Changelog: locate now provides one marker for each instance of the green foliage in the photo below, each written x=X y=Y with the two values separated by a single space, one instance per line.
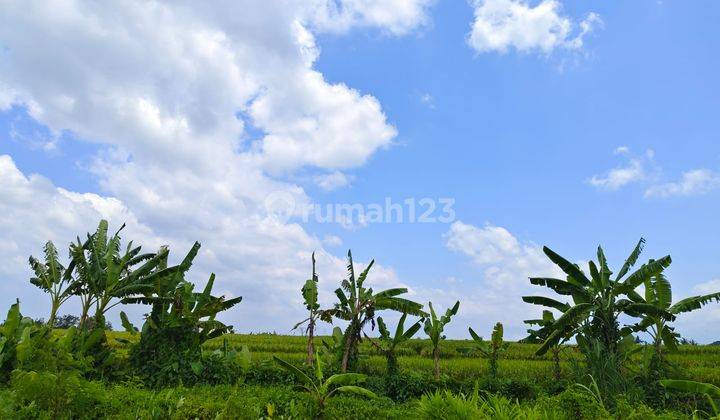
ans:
x=597 y=304
x=578 y=404
x=322 y=389
x=492 y=350
x=357 y=305
x=446 y=405
x=387 y=343
x=310 y=297
x=710 y=391
x=54 y=279
x=180 y=321
x=105 y=274
x=14 y=329
x=434 y=328
x=658 y=295
x=63 y=394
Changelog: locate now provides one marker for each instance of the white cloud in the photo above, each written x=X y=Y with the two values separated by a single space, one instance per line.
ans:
x=159 y=86
x=506 y=264
x=643 y=170
x=505 y=259
x=503 y=24
x=332 y=181
x=694 y=182
x=620 y=176
x=637 y=169
x=708 y=287
x=332 y=240
x=397 y=17
x=694 y=324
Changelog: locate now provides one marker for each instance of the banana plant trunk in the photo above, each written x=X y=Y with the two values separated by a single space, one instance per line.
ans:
x=310 y=344
x=556 y=362
x=350 y=341
x=84 y=313
x=53 y=314
x=346 y=353
x=658 y=349
x=436 y=361
x=392 y=366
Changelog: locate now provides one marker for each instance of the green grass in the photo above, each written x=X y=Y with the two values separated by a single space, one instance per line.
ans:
x=519 y=362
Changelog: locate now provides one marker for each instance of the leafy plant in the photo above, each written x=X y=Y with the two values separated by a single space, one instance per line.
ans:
x=387 y=344
x=12 y=332
x=310 y=296
x=710 y=391
x=434 y=327
x=53 y=278
x=357 y=305
x=540 y=334
x=597 y=303
x=180 y=321
x=658 y=293
x=492 y=350
x=322 y=389
x=105 y=274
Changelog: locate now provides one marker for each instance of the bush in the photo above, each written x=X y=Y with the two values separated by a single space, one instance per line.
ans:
x=577 y=404
x=253 y=402
x=403 y=386
x=446 y=405
x=515 y=389
x=345 y=407
x=167 y=356
x=63 y=395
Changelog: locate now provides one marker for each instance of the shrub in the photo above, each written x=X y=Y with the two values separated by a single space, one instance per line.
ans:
x=356 y=408
x=577 y=404
x=446 y=405
x=61 y=394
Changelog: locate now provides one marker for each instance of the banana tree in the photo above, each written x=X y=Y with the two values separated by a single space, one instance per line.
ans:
x=710 y=391
x=540 y=334
x=180 y=321
x=108 y=275
x=357 y=305
x=434 y=327
x=658 y=293
x=322 y=389
x=492 y=350
x=310 y=297
x=175 y=302
x=12 y=331
x=52 y=277
x=387 y=343
x=598 y=300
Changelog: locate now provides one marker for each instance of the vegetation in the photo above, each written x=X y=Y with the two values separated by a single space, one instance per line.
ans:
x=184 y=363
x=358 y=304
x=387 y=344
x=434 y=328
x=492 y=350
x=598 y=302
x=323 y=389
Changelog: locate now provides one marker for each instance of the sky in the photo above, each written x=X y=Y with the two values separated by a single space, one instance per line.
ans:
x=246 y=125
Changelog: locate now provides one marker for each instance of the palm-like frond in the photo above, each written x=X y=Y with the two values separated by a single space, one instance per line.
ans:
x=632 y=259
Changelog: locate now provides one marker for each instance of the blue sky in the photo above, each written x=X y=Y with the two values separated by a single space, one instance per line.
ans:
x=562 y=144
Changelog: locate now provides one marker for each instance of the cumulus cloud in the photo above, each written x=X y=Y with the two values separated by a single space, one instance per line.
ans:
x=505 y=263
x=643 y=170
x=397 y=17
x=167 y=91
x=635 y=170
x=693 y=182
x=332 y=181
x=503 y=24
